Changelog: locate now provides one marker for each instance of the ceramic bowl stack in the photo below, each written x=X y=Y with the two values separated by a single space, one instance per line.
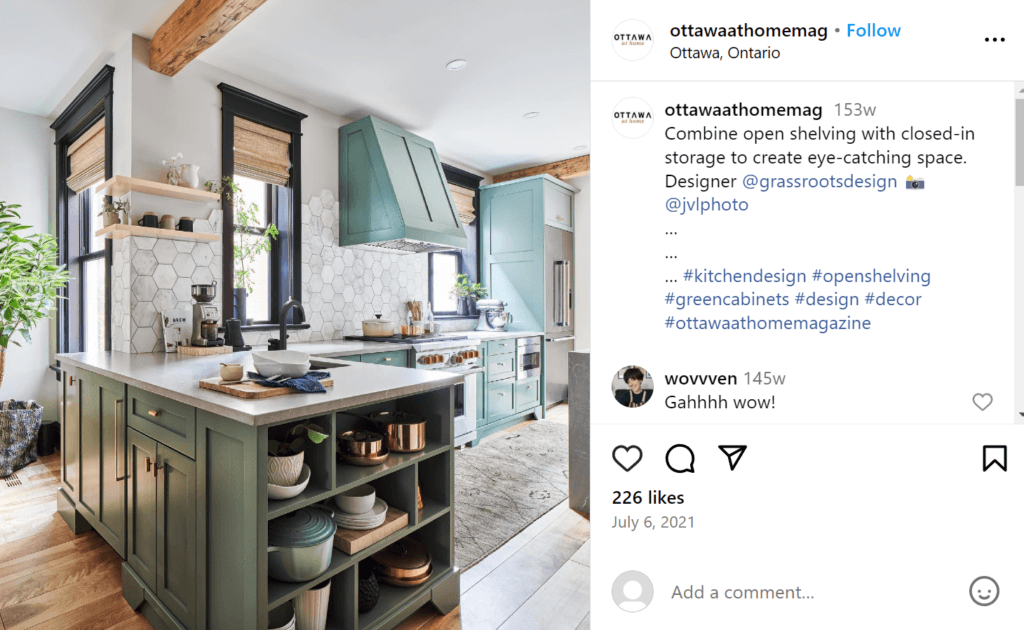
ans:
x=360 y=509
x=270 y=363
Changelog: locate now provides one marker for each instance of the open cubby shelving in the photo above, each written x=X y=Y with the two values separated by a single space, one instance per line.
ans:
x=396 y=482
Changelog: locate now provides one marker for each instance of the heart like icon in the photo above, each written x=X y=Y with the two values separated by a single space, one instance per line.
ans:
x=982 y=401
x=627 y=456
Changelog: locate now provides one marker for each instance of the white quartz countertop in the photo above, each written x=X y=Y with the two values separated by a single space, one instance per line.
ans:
x=177 y=377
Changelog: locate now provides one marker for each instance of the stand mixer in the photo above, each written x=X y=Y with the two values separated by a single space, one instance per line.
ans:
x=205 y=315
x=492 y=315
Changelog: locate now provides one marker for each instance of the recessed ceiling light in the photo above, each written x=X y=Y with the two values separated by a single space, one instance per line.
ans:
x=456 y=64
x=581 y=147
x=531 y=115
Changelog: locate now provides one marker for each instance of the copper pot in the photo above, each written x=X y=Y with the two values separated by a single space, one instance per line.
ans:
x=405 y=432
x=406 y=559
x=362 y=443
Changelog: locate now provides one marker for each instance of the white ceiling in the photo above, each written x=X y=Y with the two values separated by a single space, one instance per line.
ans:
x=46 y=46
x=387 y=58
x=384 y=57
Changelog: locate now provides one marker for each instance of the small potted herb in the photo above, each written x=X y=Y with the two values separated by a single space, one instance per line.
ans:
x=287 y=457
x=111 y=212
x=465 y=291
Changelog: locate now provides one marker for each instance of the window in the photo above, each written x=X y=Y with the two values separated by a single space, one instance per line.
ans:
x=443 y=268
x=83 y=135
x=261 y=152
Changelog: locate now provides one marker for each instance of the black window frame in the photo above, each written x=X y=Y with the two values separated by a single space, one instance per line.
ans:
x=469 y=258
x=74 y=227
x=286 y=250
x=458 y=253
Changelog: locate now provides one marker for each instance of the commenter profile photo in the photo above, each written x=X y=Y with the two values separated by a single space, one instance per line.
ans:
x=633 y=386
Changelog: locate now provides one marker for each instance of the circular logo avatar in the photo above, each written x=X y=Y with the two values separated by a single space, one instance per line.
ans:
x=632 y=591
x=632 y=40
x=632 y=117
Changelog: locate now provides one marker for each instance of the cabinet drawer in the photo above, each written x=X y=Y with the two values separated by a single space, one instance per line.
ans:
x=398 y=358
x=501 y=366
x=557 y=206
x=501 y=346
x=166 y=421
x=499 y=400
x=527 y=394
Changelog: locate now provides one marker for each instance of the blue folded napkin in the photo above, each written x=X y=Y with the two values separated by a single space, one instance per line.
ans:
x=310 y=383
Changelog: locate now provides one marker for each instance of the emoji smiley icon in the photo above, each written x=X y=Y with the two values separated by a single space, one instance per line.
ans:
x=984 y=591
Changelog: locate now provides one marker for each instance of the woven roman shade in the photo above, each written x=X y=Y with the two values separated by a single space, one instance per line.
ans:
x=464 y=203
x=261 y=152
x=87 y=156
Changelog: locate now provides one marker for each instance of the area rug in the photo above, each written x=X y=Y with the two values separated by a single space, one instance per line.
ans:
x=504 y=484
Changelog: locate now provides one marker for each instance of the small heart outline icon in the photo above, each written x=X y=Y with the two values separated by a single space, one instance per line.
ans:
x=979 y=399
x=628 y=450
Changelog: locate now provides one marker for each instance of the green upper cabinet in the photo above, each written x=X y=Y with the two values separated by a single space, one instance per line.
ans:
x=393 y=187
x=512 y=219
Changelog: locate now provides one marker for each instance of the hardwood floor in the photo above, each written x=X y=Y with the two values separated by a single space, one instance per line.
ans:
x=52 y=580
x=49 y=578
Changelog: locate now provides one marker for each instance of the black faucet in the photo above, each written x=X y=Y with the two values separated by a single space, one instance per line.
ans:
x=282 y=318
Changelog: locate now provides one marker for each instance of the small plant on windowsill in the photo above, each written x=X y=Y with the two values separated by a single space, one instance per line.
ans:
x=464 y=291
x=29 y=279
x=251 y=240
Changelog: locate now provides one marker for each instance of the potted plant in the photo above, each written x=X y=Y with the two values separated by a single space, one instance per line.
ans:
x=113 y=211
x=251 y=240
x=465 y=291
x=287 y=457
x=29 y=279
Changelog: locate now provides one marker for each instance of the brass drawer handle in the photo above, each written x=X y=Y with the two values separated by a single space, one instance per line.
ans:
x=153 y=412
x=71 y=380
x=149 y=465
x=387 y=359
x=156 y=470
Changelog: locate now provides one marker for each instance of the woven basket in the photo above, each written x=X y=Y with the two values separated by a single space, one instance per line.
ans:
x=19 y=431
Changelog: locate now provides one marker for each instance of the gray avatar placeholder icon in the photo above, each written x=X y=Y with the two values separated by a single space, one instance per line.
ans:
x=625 y=592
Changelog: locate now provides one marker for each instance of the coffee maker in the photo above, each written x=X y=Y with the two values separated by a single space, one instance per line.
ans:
x=492 y=315
x=205 y=315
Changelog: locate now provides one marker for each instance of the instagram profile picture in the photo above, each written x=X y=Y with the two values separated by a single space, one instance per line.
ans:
x=633 y=386
x=632 y=40
x=632 y=591
x=632 y=117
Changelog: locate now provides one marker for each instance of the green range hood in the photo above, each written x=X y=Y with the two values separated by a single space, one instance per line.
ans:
x=394 y=196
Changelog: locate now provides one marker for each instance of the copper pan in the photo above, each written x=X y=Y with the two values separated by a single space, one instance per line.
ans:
x=404 y=432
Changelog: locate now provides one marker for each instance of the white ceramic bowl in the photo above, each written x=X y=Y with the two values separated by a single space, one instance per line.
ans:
x=286 y=363
x=358 y=500
x=278 y=493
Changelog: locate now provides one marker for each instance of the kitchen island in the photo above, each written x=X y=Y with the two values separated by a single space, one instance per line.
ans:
x=174 y=478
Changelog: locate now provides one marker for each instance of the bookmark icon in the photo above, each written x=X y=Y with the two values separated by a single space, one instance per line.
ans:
x=734 y=453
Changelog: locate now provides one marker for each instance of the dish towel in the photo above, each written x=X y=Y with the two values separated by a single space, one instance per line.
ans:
x=310 y=383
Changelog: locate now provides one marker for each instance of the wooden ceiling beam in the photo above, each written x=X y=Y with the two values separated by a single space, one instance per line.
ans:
x=192 y=28
x=565 y=169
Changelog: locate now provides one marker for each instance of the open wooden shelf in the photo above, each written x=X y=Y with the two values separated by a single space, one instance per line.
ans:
x=119 y=185
x=119 y=231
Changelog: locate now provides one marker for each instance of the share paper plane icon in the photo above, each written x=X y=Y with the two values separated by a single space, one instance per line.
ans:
x=734 y=453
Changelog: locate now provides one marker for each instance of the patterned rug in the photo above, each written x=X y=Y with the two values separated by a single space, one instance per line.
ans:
x=504 y=484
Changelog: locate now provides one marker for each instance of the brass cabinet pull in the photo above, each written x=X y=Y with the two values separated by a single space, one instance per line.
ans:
x=387 y=359
x=156 y=469
x=149 y=465
x=154 y=412
x=71 y=380
x=116 y=449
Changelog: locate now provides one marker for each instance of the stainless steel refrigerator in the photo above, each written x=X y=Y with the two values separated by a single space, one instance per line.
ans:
x=559 y=339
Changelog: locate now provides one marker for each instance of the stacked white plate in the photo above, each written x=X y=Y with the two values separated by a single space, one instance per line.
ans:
x=360 y=522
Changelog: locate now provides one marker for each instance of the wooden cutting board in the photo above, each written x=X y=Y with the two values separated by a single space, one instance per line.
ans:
x=253 y=390
x=351 y=541
x=202 y=351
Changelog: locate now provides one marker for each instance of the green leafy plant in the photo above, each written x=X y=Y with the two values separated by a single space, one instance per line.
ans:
x=251 y=239
x=118 y=207
x=29 y=278
x=464 y=288
x=294 y=442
